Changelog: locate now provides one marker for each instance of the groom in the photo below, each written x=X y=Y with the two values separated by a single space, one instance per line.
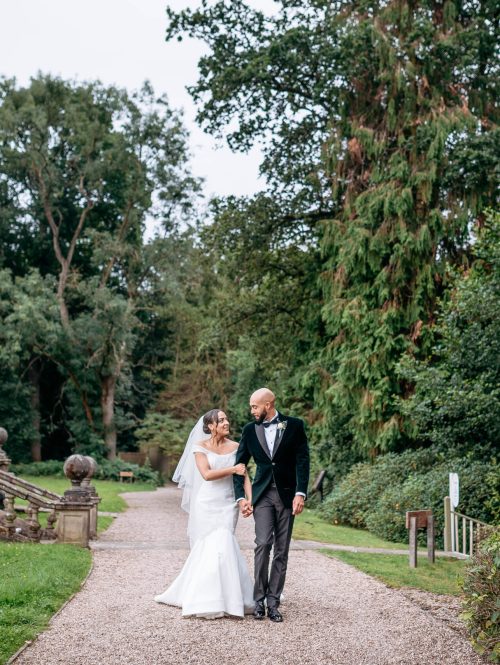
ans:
x=278 y=445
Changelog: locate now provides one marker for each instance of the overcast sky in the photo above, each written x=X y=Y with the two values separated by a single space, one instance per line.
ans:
x=121 y=42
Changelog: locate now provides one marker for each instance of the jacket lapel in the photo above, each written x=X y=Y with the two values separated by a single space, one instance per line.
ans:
x=259 y=431
x=280 y=434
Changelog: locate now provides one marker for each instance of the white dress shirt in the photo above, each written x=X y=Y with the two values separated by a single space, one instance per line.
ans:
x=270 y=434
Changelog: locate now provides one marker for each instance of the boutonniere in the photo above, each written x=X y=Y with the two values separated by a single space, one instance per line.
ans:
x=282 y=425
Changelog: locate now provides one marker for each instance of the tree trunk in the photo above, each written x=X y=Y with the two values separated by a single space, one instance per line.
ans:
x=34 y=372
x=108 y=388
x=63 y=308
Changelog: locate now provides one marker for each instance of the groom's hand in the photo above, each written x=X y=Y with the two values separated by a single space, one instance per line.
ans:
x=298 y=504
x=245 y=507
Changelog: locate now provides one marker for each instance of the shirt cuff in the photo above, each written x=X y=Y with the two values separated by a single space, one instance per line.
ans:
x=242 y=498
x=300 y=494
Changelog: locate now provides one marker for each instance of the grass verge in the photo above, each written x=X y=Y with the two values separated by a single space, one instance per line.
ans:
x=310 y=526
x=35 y=580
x=393 y=569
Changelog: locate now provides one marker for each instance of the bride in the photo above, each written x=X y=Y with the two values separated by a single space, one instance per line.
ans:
x=214 y=580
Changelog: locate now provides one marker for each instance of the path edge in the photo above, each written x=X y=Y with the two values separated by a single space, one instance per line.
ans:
x=28 y=643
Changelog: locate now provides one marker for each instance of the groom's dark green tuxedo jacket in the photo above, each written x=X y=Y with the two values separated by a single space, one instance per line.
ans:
x=288 y=468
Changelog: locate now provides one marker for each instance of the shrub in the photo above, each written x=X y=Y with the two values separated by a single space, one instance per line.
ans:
x=427 y=491
x=493 y=502
x=106 y=471
x=47 y=468
x=349 y=503
x=110 y=470
x=376 y=496
x=354 y=498
x=481 y=587
x=418 y=492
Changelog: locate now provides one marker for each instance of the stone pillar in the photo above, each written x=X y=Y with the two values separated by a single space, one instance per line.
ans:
x=10 y=515
x=93 y=495
x=49 y=533
x=4 y=460
x=73 y=525
x=34 y=527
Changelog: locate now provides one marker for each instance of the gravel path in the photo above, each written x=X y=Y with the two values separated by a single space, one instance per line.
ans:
x=334 y=615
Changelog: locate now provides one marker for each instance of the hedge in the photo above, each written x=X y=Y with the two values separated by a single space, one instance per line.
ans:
x=107 y=470
x=376 y=496
x=481 y=587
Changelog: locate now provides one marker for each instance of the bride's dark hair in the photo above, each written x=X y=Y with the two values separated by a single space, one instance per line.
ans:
x=210 y=417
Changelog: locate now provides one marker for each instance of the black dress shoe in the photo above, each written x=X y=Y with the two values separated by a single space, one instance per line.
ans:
x=259 y=611
x=274 y=614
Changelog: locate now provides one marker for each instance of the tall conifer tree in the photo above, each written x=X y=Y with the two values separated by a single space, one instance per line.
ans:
x=401 y=96
x=412 y=159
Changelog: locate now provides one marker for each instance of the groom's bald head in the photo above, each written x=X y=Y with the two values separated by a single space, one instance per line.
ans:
x=263 y=395
x=262 y=404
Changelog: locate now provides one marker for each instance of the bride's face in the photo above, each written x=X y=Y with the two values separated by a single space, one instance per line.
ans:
x=221 y=427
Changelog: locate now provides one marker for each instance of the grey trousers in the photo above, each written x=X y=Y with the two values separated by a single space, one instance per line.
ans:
x=273 y=528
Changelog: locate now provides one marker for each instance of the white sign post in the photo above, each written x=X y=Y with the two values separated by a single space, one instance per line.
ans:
x=454 y=489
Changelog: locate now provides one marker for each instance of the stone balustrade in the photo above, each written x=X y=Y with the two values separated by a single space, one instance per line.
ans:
x=72 y=517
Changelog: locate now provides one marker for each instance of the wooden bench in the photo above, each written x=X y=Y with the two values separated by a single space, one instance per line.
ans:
x=127 y=475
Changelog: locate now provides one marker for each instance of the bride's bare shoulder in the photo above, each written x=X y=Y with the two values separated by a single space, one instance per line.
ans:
x=201 y=444
x=234 y=444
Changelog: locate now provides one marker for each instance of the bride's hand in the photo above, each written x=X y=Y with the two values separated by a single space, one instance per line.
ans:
x=240 y=469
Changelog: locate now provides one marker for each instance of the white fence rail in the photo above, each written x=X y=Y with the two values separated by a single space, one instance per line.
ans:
x=461 y=533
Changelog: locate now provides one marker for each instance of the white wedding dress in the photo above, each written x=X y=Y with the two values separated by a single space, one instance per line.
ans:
x=214 y=581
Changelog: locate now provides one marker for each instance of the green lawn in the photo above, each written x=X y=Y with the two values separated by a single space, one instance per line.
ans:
x=393 y=569
x=310 y=526
x=103 y=521
x=108 y=490
x=35 y=580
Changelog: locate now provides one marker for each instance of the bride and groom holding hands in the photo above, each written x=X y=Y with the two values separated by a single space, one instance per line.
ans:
x=212 y=472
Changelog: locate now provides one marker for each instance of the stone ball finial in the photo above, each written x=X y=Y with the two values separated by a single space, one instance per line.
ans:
x=76 y=467
x=93 y=466
x=3 y=436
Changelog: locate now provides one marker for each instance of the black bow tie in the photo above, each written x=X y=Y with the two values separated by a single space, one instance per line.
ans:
x=270 y=422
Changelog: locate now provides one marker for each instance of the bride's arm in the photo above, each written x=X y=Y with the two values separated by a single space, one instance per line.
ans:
x=216 y=474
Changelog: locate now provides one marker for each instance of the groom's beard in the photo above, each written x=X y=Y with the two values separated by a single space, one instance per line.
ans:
x=261 y=418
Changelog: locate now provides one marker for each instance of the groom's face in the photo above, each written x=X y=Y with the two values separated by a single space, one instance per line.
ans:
x=259 y=410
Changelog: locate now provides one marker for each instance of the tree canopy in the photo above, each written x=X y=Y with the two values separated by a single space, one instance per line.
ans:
x=83 y=169
x=379 y=129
